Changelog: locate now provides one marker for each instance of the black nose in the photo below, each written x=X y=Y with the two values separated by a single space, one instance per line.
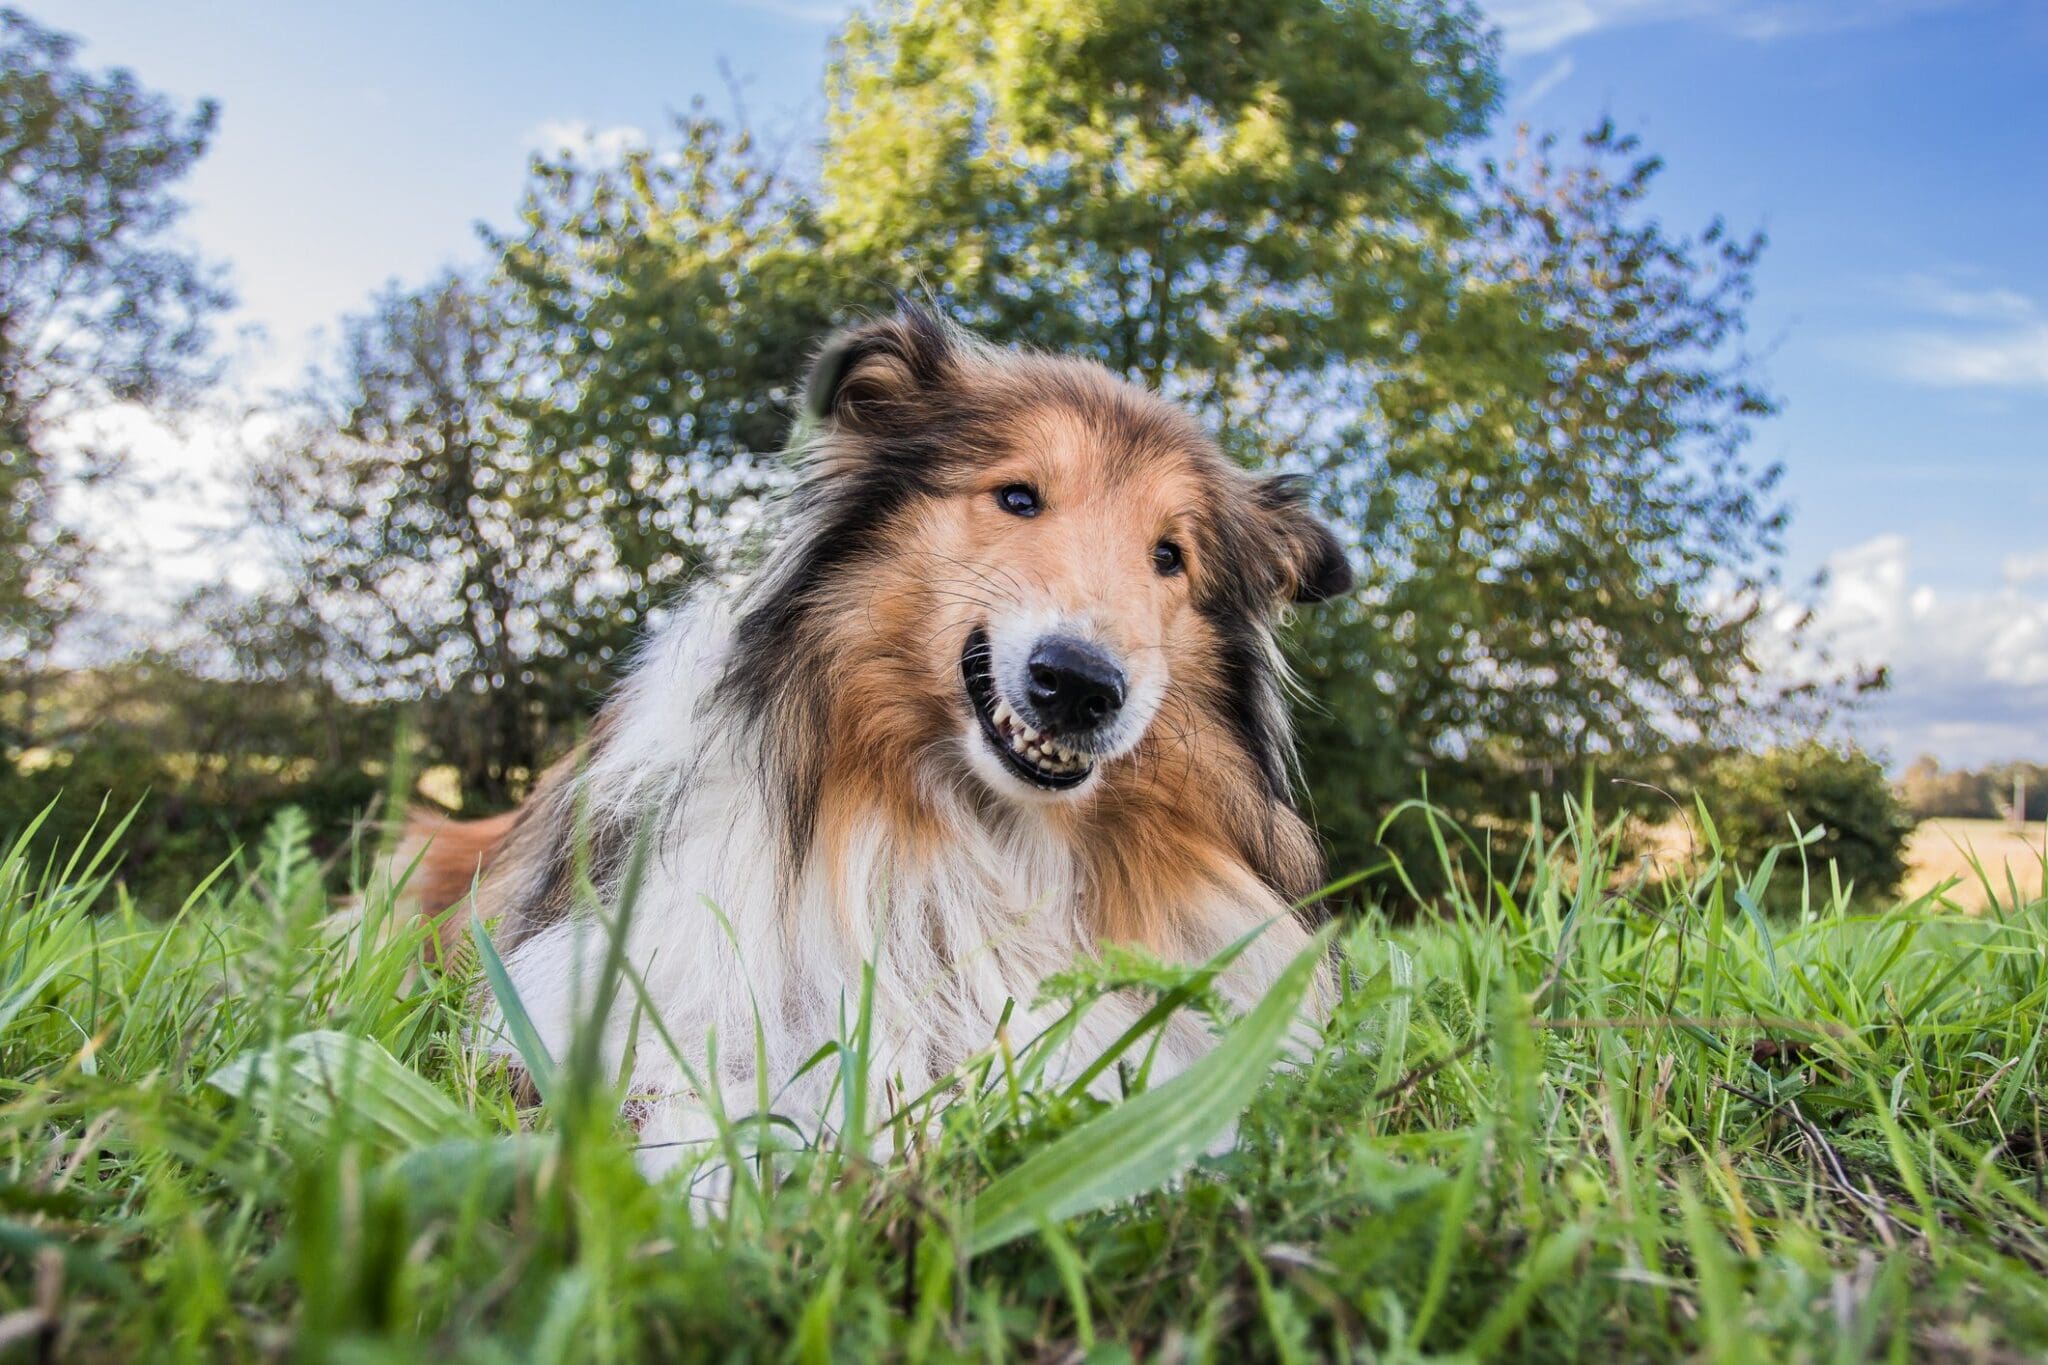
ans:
x=1074 y=685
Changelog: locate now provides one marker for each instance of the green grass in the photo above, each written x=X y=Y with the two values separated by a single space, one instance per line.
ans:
x=1566 y=1118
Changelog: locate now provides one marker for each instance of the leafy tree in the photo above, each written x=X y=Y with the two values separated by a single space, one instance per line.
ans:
x=675 y=299
x=1246 y=204
x=433 y=542
x=198 y=740
x=1974 y=794
x=1564 y=550
x=99 y=301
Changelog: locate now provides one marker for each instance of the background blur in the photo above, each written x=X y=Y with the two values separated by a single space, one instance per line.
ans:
x=369 y=378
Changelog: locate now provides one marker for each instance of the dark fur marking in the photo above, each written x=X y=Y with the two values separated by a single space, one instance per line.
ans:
x=1320 y=570
x=541 y=847
x=883 y=387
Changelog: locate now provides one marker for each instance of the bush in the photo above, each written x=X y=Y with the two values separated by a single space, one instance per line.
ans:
x=203 y=764
x=1756 y=799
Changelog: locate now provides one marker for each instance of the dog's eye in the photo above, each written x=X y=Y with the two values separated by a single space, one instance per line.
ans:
x=1166 y=559
x=1018 y=499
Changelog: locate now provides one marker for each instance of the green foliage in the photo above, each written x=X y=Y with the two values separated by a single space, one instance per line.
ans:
x=1760 y=801
x=1244 y=204
x=676 y=299
x=1564 y=1123
x=498 y=480
x=1561 y=568
x=99 y=301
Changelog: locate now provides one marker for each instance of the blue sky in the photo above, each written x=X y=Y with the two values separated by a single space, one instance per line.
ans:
x=1896 y=151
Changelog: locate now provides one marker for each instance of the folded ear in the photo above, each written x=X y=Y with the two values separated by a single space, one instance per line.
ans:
x=1312 y=563
x=869 y=376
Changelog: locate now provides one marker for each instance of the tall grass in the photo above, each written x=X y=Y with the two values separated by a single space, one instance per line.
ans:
x=1573 y=1114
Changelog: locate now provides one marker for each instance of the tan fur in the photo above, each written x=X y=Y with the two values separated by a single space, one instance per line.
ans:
x=446 y=858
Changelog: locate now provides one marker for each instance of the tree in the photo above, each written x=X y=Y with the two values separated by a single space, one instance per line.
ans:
x=99 y=301
x=1244 y=204
x=1565 y=552
x=196 y=741
x=431 y=539
x=1981 y=794
x=501 y=479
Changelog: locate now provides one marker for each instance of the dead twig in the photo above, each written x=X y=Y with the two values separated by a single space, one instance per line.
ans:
x=1873 y=1204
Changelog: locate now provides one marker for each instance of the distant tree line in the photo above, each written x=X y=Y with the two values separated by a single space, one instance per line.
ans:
x=1526 y=401
x=1932 y=792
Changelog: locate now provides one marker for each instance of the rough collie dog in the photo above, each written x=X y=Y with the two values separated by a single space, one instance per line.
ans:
x=1000 y=689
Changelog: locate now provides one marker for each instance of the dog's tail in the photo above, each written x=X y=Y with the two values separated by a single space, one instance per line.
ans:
x=442 y=860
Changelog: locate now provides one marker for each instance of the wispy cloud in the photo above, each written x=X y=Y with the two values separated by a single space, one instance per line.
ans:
x=1554 y=75
x=2016 y=358
x=1967 y=337
x=1968 y=669
x=1540 y=25
x=1949 y=299
x=1529 y=26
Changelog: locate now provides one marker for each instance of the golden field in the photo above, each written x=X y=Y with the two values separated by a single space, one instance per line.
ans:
x=1943 y=850
x=1939 y=852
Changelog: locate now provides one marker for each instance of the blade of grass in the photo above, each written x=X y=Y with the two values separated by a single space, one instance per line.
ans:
x=1149 y=1139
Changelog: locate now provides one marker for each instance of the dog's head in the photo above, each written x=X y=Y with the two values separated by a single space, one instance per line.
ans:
x=1021 y=572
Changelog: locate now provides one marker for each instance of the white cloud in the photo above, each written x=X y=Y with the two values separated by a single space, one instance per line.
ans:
x=1968 y=669
x=1539 y=25
x=172 y=523
x=581 y=139
x=803 y=11
x=2022 y=568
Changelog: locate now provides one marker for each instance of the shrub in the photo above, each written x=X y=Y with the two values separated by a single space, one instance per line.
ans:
x=1756 y=799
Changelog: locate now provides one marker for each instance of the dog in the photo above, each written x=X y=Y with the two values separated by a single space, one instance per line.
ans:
x=999 y=688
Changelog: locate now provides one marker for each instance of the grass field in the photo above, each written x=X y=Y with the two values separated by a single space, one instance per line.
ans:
x=1572 y=1118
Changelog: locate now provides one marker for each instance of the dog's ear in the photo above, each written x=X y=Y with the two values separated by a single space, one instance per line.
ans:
x=1312 y=563
x=872 y=375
